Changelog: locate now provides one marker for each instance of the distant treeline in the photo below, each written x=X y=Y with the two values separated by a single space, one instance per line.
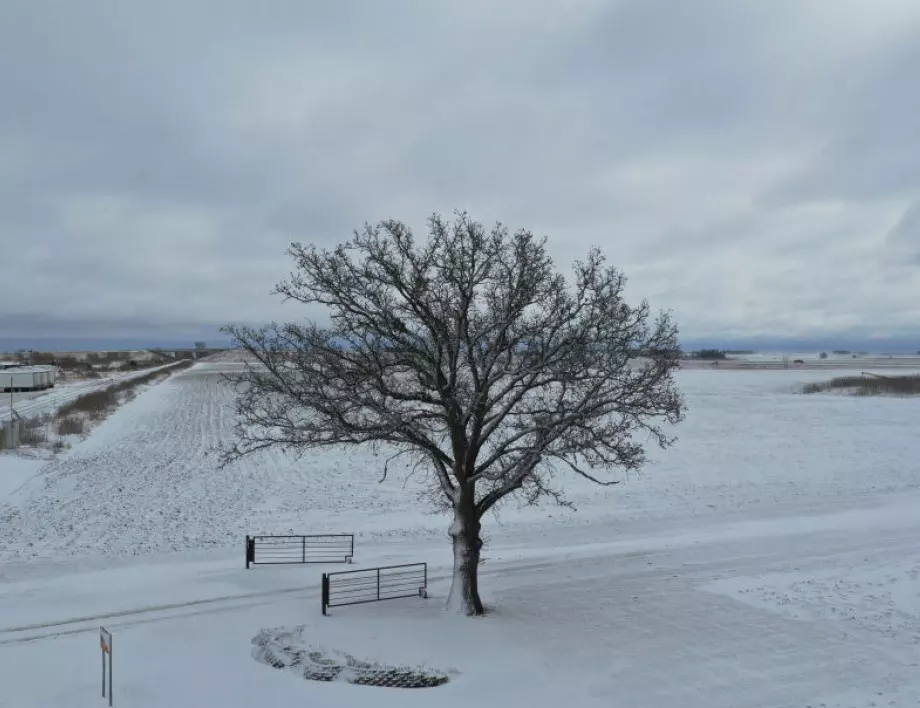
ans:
x=713 y=354
x=112 y=361
x=868 y=385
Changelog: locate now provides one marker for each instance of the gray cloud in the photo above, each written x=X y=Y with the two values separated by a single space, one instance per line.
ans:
x=750 y=165
x=903 y=240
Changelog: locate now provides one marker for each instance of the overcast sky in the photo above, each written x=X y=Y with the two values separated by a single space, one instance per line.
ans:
x=752 y=165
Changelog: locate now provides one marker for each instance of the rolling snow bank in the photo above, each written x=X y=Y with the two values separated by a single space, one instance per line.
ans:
x=147 y=479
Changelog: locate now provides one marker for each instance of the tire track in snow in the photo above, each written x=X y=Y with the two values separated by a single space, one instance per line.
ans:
x=655 y=560
x=26 y=633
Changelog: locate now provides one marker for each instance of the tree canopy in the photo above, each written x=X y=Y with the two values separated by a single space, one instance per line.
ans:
x=469 y=354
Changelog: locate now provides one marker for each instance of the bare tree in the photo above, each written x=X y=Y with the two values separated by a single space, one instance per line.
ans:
x=470 y=355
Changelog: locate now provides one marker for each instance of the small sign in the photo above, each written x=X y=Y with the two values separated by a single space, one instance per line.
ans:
x=105 y=643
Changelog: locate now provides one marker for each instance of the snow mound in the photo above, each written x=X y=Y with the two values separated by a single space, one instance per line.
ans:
x=881 y=598
x=283 y=648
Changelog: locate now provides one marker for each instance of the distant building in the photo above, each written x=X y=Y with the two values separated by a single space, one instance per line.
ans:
x=27 y=378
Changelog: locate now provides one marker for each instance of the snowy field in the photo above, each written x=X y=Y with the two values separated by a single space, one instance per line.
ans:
x=770 y=559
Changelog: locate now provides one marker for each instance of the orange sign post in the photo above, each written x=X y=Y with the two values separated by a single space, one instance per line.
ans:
x=105 y=643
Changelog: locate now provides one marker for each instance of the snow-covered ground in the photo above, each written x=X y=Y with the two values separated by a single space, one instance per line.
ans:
x=771 y=558
x=15 y=471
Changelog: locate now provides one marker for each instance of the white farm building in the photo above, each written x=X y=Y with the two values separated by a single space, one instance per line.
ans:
x=27 y=378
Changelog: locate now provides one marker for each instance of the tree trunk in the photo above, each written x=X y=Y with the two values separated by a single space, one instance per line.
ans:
x=464 y=590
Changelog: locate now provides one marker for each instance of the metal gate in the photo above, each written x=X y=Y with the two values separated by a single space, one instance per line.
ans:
x=356 y=587
x=316 y=548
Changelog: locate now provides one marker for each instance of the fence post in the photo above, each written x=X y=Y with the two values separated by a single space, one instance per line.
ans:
x=303 y=549
x=111 y=645
x=325 y=593
x=247 y=552
x=378 y=583
x=106 y=644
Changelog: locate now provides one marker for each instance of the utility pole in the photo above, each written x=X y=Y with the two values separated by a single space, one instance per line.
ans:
x=11 y=413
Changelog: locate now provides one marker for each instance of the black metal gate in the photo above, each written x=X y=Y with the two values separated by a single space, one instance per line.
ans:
x=316 y=548
x=356 y=587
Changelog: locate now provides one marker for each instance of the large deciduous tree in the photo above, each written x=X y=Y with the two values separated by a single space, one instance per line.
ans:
x=470 y=354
